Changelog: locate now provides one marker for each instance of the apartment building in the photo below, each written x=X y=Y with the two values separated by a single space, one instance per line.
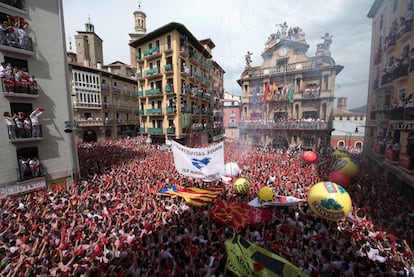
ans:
x=35 y=149
x=179 y=86
x=389 y=139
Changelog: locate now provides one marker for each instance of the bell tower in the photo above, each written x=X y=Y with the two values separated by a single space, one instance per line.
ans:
x=140 y=30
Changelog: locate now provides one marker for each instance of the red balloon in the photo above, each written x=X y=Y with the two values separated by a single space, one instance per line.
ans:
x=309 y=156
x=340 y=178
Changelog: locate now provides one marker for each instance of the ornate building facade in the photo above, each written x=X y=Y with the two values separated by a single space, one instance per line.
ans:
x=288 y=100
x=389 y=139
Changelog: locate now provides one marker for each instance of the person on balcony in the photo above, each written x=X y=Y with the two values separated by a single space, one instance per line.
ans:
x=34 y=164
x=34 y=117
x=11 y=125
x=19 y=124
x=4 y=31
x=27 y=124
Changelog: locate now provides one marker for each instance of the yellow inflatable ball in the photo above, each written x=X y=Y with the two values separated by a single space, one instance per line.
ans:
x=341 y=153
x=347 y=166
x=329 y=201
x=241 y=186
x=265 y=194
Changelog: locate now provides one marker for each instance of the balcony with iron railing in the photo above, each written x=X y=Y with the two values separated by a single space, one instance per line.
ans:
x=104 y=87
x=138 y=75
x=184 y=51
x=15 y=134
x=291 y=67
x=93 y=122
x=155 y=130
x=170 y=131
x=153 y=111
x=286 y=125
x=116 y=89
x=152 y=52
x=24 y=89
x=152 y=71
x=153 y=92
x=168 y=68
x=168 y=89
x=18 y=45
x=170 y=110
x=86 y=105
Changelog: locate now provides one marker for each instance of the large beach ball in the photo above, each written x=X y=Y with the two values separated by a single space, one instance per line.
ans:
x=309 y=157
x=340 y=178
x=265 y=194
x=347 y=166
x=231 y=169
x=329 y=201
x=341 y=153
x=241 y=186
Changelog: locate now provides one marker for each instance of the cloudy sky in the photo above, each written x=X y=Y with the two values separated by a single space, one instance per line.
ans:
x=238 y=26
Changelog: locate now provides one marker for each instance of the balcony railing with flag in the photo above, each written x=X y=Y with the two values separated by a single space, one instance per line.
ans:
x=297 y=125
x=10 y=86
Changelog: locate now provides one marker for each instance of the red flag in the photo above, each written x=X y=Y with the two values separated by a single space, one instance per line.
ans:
x=238 y=214
x=266 y=91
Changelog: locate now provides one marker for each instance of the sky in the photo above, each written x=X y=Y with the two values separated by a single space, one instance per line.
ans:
x=238 y=26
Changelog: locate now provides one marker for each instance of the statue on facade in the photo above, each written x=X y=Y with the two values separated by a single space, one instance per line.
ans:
x=248 y=58
x=283 y=28
x=327 y=40
x=323 y=48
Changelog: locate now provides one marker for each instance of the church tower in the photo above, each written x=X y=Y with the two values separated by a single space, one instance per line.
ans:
x=140 y=30
x=89 y=49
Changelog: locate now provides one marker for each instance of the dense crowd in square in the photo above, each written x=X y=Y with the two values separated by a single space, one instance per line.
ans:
x=112 y=222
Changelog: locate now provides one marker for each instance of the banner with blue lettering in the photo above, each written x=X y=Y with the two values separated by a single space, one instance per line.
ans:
x=204 y=163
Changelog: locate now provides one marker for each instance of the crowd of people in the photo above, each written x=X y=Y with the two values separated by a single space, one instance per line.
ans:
x=112 y=222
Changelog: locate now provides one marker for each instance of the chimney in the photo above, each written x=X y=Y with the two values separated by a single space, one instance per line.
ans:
x=109 y=69
x=341 y=104
x=99 y=65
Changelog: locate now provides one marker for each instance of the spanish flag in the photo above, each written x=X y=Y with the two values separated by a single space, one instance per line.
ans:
x=247 y=259
x=192 y=195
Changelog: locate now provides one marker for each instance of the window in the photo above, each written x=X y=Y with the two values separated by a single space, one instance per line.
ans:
x=381 y=21
x=168 y=41
x=19 y=4
x=28 y=166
